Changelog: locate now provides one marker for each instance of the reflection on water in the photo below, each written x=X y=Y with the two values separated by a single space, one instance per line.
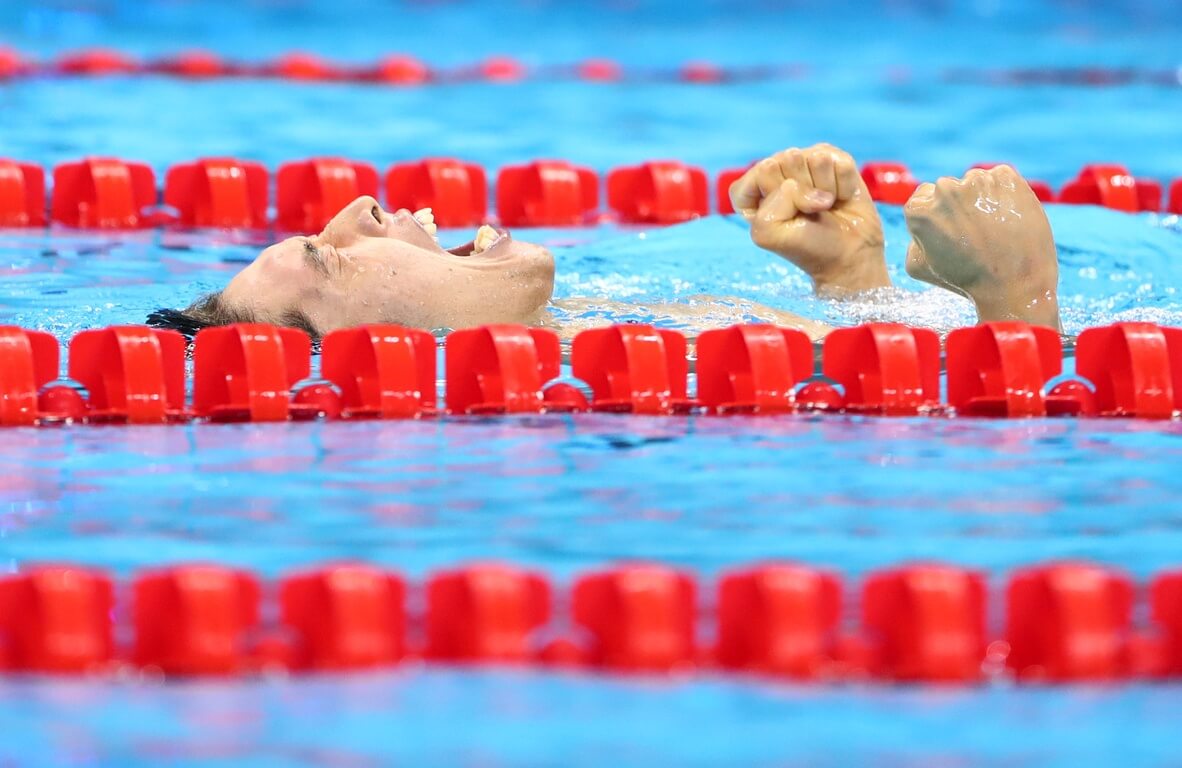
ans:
x=474 y=717
x=566 y=493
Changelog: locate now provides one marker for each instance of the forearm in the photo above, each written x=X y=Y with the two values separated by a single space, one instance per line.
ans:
x=864 y=269
x=696 y=314
x=815 y=329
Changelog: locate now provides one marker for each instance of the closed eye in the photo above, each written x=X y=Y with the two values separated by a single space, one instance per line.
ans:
x=314 y=259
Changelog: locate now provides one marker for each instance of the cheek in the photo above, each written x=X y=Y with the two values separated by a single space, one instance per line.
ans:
x=384 y=288
x=364 y=289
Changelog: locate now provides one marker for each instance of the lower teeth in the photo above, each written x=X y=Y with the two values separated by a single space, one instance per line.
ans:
x=485 y=237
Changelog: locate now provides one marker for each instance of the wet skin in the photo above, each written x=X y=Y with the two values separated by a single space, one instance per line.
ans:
x=371 y=266
x=985 y=236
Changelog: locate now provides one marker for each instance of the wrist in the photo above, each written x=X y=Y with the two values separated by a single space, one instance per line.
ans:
x=863 y=269
x=1038 y=306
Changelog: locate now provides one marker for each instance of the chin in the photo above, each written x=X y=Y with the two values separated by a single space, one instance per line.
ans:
x=536 y=266
x=537 y=259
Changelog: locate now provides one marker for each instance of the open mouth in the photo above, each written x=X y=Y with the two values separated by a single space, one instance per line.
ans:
x=486 y=239
x=419 y=228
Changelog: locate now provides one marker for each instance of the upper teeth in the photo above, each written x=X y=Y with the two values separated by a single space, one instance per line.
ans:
x=485 y=237
x=425 y=217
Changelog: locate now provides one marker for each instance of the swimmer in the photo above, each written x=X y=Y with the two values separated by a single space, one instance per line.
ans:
x=984 y=236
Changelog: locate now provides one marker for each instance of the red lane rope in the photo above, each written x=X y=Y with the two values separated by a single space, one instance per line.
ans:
x=1065 y=622
x=394 y=69
x=230 y=193
x=256 y=372
x=404 y=70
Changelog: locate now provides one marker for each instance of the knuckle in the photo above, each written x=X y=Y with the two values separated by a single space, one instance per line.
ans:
x=917 y=220
x=946 y=185
x=918 y=204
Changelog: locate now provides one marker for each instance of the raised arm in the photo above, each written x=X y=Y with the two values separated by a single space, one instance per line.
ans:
x=986 y=237
x=811 y=207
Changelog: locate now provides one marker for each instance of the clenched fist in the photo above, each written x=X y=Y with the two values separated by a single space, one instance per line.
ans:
x=812 y=207
x=986 y=237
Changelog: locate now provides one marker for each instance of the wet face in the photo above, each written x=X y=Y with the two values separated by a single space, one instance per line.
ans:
x=370 y=266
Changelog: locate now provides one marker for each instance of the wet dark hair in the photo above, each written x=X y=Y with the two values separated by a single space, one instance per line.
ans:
x=212 y=310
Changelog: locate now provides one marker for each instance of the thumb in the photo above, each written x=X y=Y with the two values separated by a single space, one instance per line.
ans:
x=921 y=269
x=917 y=263
x=781 y=204
x=792 y=198
x=813 y=199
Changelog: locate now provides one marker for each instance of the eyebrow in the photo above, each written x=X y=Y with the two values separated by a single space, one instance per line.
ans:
x=313 y=258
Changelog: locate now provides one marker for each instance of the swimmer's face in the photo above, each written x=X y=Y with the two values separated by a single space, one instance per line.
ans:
x=370 y=266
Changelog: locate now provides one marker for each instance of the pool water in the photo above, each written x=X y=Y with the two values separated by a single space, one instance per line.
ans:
x=565 y=494
x=449 y=717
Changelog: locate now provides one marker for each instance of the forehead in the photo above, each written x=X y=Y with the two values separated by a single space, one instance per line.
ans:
x=291 y=253
x=295 y=260
x=279 y=273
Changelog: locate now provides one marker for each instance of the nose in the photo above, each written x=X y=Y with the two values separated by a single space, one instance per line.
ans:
x=355 y=218
x=350 y=210
x=365 y=205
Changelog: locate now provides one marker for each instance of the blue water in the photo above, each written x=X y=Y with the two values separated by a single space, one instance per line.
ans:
x=566 y=494
x=436 y=717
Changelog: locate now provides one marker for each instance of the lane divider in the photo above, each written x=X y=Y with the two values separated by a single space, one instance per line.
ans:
x=404 y=70
x=257 y=372
x=228 y=193
x=1064 y=622
x=455 y=190
x=310 y=192
x=394 y=69
x=1114 y=187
